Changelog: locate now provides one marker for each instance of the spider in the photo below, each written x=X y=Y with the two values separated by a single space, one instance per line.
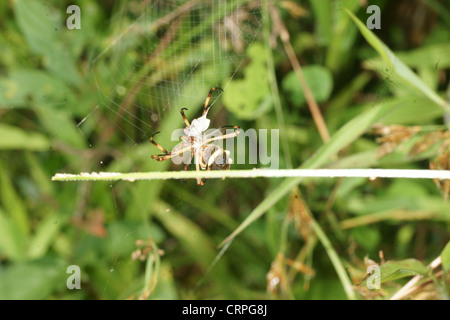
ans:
x=207 y=156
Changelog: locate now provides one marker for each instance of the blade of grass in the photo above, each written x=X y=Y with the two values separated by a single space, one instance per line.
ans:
x=274 y=86
x=396 y=65
x=397 y=215
x=312 y=104
x=337 y=264
x=322 y=15
x=12 y=241
x=299 y=208
x=195 y=201
x=45 y=234
x=257 y=173
x=198 y=244
x=16 y=138
x=13 y=203
x=342 y=138
x=152 y=270
x=342 y=35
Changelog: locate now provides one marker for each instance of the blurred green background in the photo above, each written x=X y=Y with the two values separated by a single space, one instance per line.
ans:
x=89 y=99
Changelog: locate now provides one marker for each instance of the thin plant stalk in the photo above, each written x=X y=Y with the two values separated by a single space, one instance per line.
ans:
x=257 y=173
x=334 y=258
x=312 y=104
x=274 y=89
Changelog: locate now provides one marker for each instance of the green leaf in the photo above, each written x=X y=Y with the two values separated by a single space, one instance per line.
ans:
x=166 y=288
x=13 y=203
x=197 y=243
x=16 y=138
x=320 y=82
x=46 y=232
x=38 y=173
x=12 y=240
x=21 y=85
x=60 y=124
x=343 y=35
x=366 y=237
x=247 y=97
x=41 y=27
x=396 y=65
x=322 y=16
x=414 y=110
x=393 y=270
x=36 y=280
x=434 y=56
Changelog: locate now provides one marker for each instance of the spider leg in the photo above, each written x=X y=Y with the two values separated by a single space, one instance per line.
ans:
x=226 y=136
x=162 y=157
x=200 y=181
x=157 y=144
x=188 y=164
x=165 y=156
x=205 y=106
x=184 y=117
x=222 y=131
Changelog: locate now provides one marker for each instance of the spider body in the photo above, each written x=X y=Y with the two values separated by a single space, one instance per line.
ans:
x=207 y=156
x=198 y=126
x=215 y=158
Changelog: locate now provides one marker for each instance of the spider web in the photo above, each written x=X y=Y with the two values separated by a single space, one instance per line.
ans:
x=168 y=55
x=165 y=55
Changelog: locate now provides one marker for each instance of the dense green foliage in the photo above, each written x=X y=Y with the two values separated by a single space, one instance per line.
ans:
x=88 y=100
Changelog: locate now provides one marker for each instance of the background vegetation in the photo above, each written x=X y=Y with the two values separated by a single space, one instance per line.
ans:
x=67 y=107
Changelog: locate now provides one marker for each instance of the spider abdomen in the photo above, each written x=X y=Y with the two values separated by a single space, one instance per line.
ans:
x=215 y=158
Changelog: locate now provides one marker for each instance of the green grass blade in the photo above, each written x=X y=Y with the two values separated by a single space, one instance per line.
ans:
x=13 y=203
x=396 y=65
x=12 y=241
x=334 y=258
x=322 y=14
x=342 y=138
x=198 y=244
x=16 y=138
x=257 y=173
x=46 y=232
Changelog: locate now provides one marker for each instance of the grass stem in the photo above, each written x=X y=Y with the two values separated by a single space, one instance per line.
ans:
x=257 y=173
